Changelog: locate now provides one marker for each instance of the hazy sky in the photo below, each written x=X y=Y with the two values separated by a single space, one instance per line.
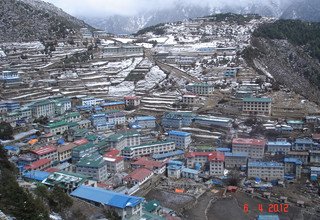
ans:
x=132 y=7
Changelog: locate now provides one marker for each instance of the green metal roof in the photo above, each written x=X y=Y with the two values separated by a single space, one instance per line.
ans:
x=148 y=144
x=57 y=124
x=72 y=114
x=118 y=136
x=257 y=99
x=84 y=147
x=93 y=161
x=151 y=206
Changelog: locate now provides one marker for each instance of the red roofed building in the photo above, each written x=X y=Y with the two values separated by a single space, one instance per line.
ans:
x=131 y=101
x=216 y=160
x=114 y=162
x=46 y=152
x=155 y=166
x=81 y=141
x=316 y=137
x=41 y=164
x=253 y=147
x=138 y=176
x=197 y=158
x=64 y=151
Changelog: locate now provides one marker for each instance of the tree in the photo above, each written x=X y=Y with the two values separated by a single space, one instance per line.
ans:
x=111 y=214
x=42 y=192
x=6 y=131
x=43 y=120
x=59 y=200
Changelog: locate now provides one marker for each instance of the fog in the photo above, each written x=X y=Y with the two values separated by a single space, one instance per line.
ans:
x=133 y=7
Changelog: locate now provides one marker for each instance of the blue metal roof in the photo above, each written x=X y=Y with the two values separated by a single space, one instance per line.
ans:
x=303 y=141
x=293 y=160
x=168 y=154
x=12 y=148
x=145 y=118
x=279 y=143
x=36 y=175
x=188 y=170
x=240 y=154
x=179 y=133
x=268 y=217
x=265 y=164
x=112 y=103
x=175 y=162
x=106 y=197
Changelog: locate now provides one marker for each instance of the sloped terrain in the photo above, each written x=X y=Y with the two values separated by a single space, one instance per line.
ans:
x=32 y=20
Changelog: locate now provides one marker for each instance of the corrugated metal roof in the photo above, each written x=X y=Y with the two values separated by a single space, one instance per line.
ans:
x=106 y=197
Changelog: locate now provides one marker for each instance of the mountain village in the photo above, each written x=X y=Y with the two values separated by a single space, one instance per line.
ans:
x=169 y=123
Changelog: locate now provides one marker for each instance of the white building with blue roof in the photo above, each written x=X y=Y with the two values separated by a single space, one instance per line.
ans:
x=127 y=207
x=144 y=122
x=232 y=160
x=282 y=147
x=265 y=170
x=190 y=173
x=292 y=166
x=302 y=144
x=181 y=138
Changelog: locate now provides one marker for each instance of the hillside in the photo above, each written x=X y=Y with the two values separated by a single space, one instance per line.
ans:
x=28 y=20
x=290 y=51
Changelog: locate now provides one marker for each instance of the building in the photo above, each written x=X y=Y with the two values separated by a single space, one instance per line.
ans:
x=9 y=106
x=113 y=105
x=131 y=101
x=199 y=158
x=232 y=160
x=98 y=119
x=174 y=169
x=190 y=173
x=115 y=163
x=10 y=77
x=265 y=170
x=230 y=73
x=40 y=164
x=181 y=139
x=43 y=108
x=303 y=144
x=138 y=176
x=56 y=128
x=154 y=166
x=296 y=124
x=80 y=151
x=256 y=106
x=124 y=139
x=213 y=121
x=292 y=166
x=46 y=152
x=253 y=147
x=123 y=50
x=144 y=122
x=62 y=105
x=200 y=88
x=65 y=151
x=169 y=155
x=88 y=101
x=116 y=118
x=177 y=119
x=72 y=117
x=216 y=161
x=94 y=166
x=301 y=155
x=68 y=181
x=314 y=156
x=281 y=147
x=126 y=206
x=148 y=149
x=190 y=99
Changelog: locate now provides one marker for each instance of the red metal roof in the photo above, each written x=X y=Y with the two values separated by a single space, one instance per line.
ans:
x=35 y=165
x=66 y=147
x=198 y=154
x=216 y=156
x=316 y=136
x=248 y=141
x=149 y=164
x=130 y=97
x=44 y=150
x=81 y=142
x=139 y=174
x=52 y=170
x=112 y=153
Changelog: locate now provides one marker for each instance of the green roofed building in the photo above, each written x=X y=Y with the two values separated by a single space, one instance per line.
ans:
x=83 y=150
x=56 y=128
x=200 y=88
x=124 y=139
x=94 y=166
x=256 y=106
x=158 y=147
x=67 y=180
